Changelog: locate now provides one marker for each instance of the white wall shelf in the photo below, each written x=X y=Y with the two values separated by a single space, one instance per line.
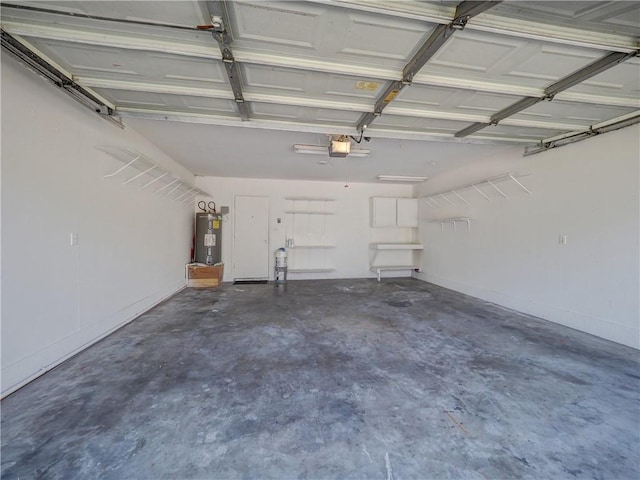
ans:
x=440 y=199
x=311 y=199
x=309 y=234
x=454 y=221
x=308 y=212
x=378 y=247
x=149 y=174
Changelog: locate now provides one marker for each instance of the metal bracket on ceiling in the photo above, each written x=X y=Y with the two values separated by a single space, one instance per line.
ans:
x=58 y=78
x=468 y=9
x=219 y=17
x=460 y=23
x=217 y=23
x=464 y=12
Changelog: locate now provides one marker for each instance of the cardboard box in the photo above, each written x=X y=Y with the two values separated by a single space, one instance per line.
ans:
x=203 y=276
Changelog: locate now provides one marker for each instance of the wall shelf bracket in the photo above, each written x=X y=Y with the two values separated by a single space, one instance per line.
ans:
x=453 y=221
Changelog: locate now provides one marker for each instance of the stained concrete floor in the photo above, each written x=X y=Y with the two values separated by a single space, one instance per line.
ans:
x=331 y=379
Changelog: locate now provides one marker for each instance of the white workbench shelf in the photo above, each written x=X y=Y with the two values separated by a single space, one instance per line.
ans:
x=397 y=246
x=311 y=270
x=310 y=199
x=379 y=268
x=312 y=246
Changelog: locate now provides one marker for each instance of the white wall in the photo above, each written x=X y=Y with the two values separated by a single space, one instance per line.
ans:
x=588 y=191
x=132 y=246
x=350 y=222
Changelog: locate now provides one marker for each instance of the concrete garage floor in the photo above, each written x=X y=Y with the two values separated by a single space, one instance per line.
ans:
x=331 y=379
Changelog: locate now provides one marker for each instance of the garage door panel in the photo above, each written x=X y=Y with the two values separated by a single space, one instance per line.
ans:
x=182 y=103
x=604 y=16
x=123 y=64
x=310 y=85
x=506 y=131
x=328 y=33
x=504 y=59
x=186 y=13
x=304 y=114
x=417 y=123
x=621 y=80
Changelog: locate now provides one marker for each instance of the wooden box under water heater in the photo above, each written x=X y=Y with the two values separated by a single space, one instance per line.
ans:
x=202 y=276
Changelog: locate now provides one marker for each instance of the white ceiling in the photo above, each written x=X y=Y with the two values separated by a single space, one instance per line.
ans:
x=308 y=69
x=259 y=153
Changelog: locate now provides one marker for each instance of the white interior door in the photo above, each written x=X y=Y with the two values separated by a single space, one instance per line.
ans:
x=251 y=238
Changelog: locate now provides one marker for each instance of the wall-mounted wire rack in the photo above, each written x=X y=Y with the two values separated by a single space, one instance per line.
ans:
x=144 y=172
x=453 y=195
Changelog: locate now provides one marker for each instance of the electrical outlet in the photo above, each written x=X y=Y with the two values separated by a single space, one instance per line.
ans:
x=562 y=240
x=73 y=239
